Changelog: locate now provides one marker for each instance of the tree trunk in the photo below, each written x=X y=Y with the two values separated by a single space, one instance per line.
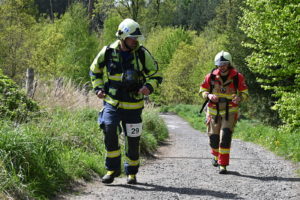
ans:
x=90 y=9
x=157 y=12
x=51 y=11
x=135 y=9
x=29 y=82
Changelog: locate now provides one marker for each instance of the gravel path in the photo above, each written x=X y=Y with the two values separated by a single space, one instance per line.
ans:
x=183 y=170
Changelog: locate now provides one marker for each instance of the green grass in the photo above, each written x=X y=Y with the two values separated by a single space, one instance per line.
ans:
x=279 y=141
x=43 y=157
x=283 y=143
x=154 y=131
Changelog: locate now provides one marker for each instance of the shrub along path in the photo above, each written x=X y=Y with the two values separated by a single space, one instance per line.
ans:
x=183 y=170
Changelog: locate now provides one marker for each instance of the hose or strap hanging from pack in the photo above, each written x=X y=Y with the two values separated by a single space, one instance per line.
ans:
x=227 y=110
x=218 y=112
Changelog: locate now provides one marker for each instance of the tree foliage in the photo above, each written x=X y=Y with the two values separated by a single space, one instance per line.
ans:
x=163 y=42
x=184 y=59
x=157 y=13
x=14 y=105
x=188 y=67
x=194 y=14
x=110 y=28
x=16 y=36
x=80 y=46
x=274 y=28
x=66 y=47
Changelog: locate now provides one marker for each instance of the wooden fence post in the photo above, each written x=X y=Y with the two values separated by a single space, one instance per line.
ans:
x=30 y=82
x=85 y=90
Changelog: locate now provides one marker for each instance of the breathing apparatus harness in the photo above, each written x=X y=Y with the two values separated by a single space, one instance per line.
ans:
x=132 y=80
x=221 y=100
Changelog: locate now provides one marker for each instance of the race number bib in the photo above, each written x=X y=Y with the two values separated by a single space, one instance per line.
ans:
x=134 y=130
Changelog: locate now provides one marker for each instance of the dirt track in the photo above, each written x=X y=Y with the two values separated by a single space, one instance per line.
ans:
x=183 y=170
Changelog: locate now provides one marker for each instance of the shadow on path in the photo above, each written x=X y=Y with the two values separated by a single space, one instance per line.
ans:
x=261 y=178
x=179 y=190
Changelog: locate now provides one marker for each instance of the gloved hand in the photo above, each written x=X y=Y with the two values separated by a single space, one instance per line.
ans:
x=101 y=94
x=236 y=99
x=213 y=97
x=144 y=90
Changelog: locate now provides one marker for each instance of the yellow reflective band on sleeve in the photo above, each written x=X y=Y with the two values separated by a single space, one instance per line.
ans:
x=153 y=83
x=96 y=69
x=98 y=83
x=116 y=77
x=132 y=162
x=244 y=96
x=113 y=154
x=216 y=150
x=213 y=111
x=224 y=151
x=155 y=74
x=131 y=105
x=110 y=100
x=244 y=91
x=202 y=89
x=99 y=58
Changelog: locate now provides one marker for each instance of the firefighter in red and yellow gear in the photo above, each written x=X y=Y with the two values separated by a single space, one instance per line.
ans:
x=224 y=89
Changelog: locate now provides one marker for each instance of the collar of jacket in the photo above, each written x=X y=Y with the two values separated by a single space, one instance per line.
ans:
x=232 y=72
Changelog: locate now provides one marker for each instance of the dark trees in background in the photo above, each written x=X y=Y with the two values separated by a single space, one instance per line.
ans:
x=194 y=14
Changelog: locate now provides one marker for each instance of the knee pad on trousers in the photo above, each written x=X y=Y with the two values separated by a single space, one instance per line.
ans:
x=226 y=138
x=111 y=138
x=214 y=141
x=133 y=149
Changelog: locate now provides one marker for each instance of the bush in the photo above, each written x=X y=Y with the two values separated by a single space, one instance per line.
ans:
x=40 y=159
x=14 y=104
x=154 y=131
x=188 y=67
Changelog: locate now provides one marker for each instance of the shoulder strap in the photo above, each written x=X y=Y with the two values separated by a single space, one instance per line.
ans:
x=212 y=79
x=141 y=55
x=236 y=81
x=107 y=54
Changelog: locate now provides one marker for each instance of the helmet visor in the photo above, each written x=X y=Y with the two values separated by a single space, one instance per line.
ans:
x=136 y=35
x=221 y=63
x=137 y=32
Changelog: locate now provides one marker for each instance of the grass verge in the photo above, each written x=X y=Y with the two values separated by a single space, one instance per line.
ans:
x=41 y=158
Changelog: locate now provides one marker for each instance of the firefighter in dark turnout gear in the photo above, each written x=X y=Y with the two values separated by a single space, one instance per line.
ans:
x=224 y=88
x=131 y=74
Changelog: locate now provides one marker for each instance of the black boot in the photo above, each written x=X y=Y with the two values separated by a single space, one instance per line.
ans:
x=223 y=169
x=214 y=162
x=110 y=176
x=131 y=179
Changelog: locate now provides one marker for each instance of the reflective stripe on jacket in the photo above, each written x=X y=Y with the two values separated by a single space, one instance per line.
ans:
x=116 y=95
x=224 y=90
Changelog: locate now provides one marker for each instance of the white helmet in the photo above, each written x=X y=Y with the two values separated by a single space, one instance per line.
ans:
x=223 y=58
x=129 y=28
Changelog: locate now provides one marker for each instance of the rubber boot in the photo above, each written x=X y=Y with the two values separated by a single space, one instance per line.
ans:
x=131 y=179
x=214 y=161
x=110 y=176
x=222 y=169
